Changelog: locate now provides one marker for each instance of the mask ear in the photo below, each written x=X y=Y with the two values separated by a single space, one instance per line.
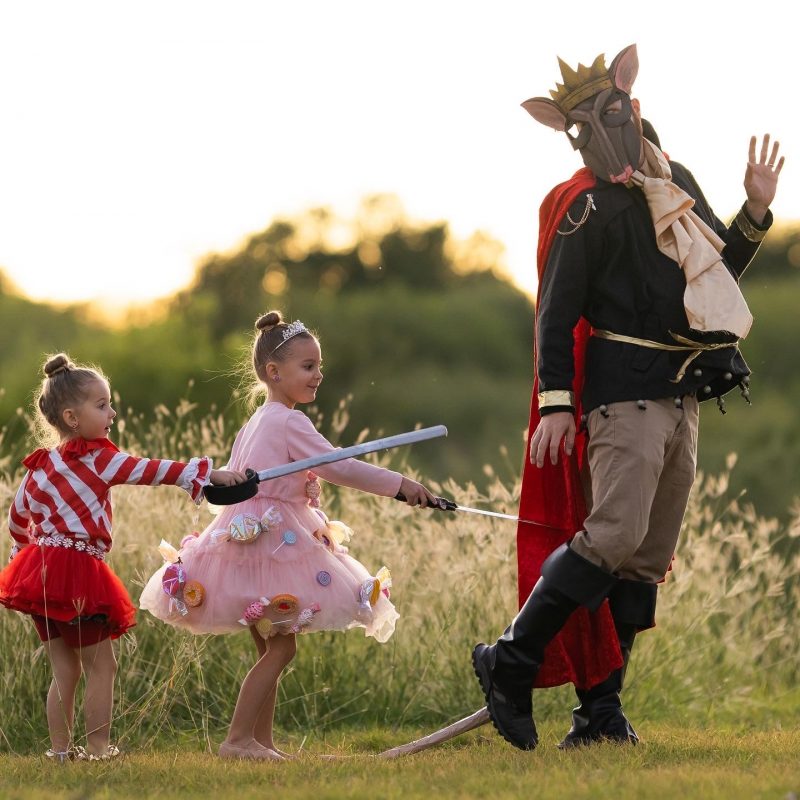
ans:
x=624 y=68
x=546 y=112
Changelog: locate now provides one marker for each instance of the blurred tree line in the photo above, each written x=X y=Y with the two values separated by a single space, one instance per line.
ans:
x=416 y=327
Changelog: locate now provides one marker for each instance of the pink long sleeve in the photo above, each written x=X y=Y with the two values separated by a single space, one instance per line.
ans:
x=305 y=441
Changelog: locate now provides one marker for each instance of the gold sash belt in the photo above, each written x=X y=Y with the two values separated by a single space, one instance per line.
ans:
x=685 y=344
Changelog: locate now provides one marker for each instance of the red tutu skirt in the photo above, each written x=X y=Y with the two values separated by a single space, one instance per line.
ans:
x=64 y=584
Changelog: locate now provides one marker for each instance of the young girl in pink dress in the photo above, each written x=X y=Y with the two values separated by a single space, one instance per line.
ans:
x=274 y=564
x=60 y=521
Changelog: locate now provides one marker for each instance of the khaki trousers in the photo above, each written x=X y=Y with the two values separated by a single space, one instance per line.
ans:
x=642 y=464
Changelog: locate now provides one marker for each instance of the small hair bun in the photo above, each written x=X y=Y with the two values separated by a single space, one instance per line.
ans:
x=269 y=320
x=56 y=364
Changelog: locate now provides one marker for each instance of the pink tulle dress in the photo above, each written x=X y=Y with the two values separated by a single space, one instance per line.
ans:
x=275 y=561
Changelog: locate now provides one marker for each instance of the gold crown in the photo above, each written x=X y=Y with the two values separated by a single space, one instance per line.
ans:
x=581 y=83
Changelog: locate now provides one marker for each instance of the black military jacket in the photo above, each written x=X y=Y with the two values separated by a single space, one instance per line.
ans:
x=610 y=271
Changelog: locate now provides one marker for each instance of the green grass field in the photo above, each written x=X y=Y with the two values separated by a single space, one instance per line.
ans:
x=673 y=762
x=712 y=690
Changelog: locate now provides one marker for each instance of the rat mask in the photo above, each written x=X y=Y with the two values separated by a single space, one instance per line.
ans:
x=593 y=107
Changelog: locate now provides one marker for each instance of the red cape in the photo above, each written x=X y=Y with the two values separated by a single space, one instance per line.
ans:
x=586 y=650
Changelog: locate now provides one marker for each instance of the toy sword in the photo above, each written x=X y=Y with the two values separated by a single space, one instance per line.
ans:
x=228 y=495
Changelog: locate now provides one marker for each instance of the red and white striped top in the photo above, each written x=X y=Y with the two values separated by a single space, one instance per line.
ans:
x=67 y=489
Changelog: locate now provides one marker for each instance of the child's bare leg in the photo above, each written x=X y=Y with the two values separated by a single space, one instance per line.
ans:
x=256 y=688
x=61 y=696
x=262 y=732
x=100 y=667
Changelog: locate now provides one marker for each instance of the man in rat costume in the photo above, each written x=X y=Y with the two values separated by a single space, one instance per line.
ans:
x=639 y=316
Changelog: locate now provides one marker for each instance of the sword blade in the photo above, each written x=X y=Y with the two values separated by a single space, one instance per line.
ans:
x=388 y=442
x=495 y=514
x=445 y=504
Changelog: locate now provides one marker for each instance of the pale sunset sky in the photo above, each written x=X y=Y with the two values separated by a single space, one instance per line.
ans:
x=137 y=137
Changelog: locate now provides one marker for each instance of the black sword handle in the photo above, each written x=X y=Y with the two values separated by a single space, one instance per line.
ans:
x=442 y=503
x=230 y=495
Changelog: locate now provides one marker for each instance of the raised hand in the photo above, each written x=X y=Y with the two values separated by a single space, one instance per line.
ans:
x=761 y=177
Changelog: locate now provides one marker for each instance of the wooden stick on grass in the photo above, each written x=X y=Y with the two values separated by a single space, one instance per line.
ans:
x=474 y=720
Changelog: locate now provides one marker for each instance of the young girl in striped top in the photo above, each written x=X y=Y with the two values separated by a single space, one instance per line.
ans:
x=60 y=520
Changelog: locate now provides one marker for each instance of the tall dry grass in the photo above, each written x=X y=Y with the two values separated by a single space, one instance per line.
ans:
x=725 y=647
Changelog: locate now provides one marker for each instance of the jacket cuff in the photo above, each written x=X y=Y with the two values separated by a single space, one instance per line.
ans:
x=752 y=231
x=556 y=400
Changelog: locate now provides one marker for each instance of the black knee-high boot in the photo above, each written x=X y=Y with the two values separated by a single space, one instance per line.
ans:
x=600 y=717
x=506 y=670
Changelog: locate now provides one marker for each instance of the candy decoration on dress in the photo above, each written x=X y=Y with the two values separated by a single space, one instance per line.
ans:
x=213 y=509
x=173 y=582
x=328 y=541
x=369 y=593
x=313 y=490
x=190 y=537
x=304 y=618
x=375 y=593
x=174 y=579
x=385 y=578
x=264 y=627
x=289 y=537
x=324 y=578
x=365 y=594
x=255 y=611
x=193 y=594
x=285 y=603
x=271 y=519
x=168 y=552
x=339 y=532
x=220 y=535
x=244 y=528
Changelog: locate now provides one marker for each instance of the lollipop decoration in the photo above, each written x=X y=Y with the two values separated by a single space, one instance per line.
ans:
x=264 y=627
x=244 y=528
x=289 y=537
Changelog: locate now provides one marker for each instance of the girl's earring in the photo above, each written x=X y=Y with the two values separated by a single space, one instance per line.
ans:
x=276 y=378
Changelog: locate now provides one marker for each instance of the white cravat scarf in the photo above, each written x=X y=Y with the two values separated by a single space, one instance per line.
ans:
x=712 y=299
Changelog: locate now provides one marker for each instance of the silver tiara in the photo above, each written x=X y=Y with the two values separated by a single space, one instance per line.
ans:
x=292 y=329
